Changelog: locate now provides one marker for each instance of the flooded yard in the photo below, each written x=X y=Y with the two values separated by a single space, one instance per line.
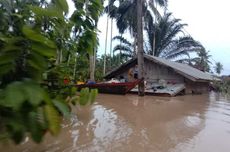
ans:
x=191 y=123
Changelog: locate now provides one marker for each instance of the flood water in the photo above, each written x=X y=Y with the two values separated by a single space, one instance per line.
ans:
x=191 y=123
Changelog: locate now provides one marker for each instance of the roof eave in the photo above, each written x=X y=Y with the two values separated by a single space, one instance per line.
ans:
x=116 y=70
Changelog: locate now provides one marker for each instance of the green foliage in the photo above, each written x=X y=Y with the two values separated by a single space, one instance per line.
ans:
x=125 y=48
x=202 y=62
x=111 y=61
x=84 y=96
x=18 y=92
x=35 y=40
x=93 y=94
x=166 y=38
x=62 y=107
x=52 y=118
x=222 y=86
x=37 y=37
x=218 y=67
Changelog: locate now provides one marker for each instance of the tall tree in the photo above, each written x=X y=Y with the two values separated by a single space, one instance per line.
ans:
x=140 y=51
x=31 y=33
x=202 y=62
x=165 y=40
x=123 y=13
x=218 y=68
x=126 y=20
x=92 y=10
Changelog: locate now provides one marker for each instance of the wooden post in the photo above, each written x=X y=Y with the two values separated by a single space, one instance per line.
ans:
x=140 y=53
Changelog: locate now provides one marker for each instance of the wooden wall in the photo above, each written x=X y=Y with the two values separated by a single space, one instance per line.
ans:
x=154 y=72
x=196 y=87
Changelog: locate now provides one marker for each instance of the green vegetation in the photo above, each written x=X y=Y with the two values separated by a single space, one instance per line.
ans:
x=43 y=53
x=167 y=39
x=218 y=68
x=222 y=86
x=165 y=34
x=125 y=49
x=39 y=48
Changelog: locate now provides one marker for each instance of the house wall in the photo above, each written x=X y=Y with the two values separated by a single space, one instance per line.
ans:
x=124 y=75
x=196 y=87
x=154 y=72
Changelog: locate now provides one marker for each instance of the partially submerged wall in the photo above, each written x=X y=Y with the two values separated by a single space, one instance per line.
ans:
x=155 y=72
x=196 y=87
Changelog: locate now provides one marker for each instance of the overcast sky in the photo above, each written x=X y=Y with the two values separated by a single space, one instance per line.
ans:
x=208 y=22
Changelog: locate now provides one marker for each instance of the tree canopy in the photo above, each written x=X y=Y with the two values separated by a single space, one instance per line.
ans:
x=39 y=48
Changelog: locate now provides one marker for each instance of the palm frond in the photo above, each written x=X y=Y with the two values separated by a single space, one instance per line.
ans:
x=162 y=3
x=155 y=11
x=123 y=48
x=122 y=40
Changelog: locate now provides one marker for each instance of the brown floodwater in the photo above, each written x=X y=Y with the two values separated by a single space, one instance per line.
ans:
x=191 y=123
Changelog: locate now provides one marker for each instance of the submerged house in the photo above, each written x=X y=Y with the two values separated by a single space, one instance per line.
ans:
x=186 y=78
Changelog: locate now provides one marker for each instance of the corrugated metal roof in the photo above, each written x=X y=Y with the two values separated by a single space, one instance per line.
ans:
x=181 y=68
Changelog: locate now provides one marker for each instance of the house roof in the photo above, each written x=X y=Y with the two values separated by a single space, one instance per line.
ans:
x=182 y=69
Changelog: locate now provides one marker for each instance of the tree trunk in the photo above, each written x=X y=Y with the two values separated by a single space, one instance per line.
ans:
x=119 y=59
x=111 y=44
x=92 y=62
x=154 y=43
x=106 y=36
x=111 y=38
x=91 y=66
x=154 y=34
x=135 y=45
x=75 y=67
x=58 y=57
x=140 y=53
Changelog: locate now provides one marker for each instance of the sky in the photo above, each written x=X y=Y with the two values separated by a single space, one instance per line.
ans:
x=208 y=22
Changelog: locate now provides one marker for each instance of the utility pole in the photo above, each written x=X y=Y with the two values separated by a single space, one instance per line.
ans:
x=140 y=53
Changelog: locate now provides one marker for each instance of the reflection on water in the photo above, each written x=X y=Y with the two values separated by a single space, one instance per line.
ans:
x=130 y=123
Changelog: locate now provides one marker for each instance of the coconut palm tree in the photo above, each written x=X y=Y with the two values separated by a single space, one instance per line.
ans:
x=168 y=44
x=124 y=15
x=125 y=47
x=202 y=62
x=218 y=68
x=140 y=51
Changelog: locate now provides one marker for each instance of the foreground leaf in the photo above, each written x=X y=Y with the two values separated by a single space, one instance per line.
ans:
x=84 y=96
x=53 y=119
x=35 y=36
x=93 y=94
x=62 y=107
x=14 y=95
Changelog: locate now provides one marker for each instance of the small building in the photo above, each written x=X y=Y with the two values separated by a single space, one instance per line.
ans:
x=159 y=69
